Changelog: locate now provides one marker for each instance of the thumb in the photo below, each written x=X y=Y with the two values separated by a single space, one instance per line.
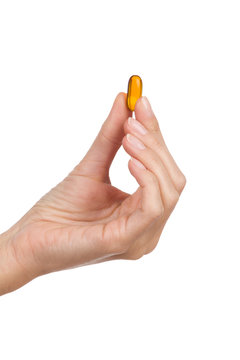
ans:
x=97 y=161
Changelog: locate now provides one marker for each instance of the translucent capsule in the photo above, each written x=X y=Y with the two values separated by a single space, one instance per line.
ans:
x=134 y=91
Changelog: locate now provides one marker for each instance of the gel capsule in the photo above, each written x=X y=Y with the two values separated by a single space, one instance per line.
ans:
x=134 y=91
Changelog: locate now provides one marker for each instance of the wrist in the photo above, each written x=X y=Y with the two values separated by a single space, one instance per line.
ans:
x=12 y=274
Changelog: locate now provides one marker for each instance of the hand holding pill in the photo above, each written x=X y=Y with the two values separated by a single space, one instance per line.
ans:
x=85 y=219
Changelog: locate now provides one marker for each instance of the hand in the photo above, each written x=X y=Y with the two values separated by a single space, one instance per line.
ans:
x=85 y=219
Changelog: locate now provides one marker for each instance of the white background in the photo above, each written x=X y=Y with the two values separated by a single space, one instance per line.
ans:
x=61 y=65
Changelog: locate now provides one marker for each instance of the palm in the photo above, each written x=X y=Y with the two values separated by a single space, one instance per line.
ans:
x=78 y=215
x=81 y=200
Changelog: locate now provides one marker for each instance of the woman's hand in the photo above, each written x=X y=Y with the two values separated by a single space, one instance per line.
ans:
x=85 y=219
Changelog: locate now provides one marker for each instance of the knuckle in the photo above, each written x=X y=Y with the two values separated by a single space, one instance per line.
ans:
x=160 y=146
x=181 y=182
x=153 y=179
x=153 y=125
x=173 y=198
x=106 y=136
x=135 y=255
x=151 y=248
x=153 y=140
x=153 y=244
x=157 y=210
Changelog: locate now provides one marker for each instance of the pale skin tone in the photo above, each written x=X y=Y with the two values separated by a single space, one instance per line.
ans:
x=85 y=219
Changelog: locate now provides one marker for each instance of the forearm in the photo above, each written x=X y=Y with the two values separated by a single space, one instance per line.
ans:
x=12 y=274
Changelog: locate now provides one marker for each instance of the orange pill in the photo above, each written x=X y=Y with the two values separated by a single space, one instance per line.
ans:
x=134 y=91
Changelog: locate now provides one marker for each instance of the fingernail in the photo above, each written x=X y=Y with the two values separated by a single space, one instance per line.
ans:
x=137 y=163
x=135 y=142
x=147 y=105
x=137 y=126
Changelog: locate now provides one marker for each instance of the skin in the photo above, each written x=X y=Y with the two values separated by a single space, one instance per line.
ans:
x=85 y=219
